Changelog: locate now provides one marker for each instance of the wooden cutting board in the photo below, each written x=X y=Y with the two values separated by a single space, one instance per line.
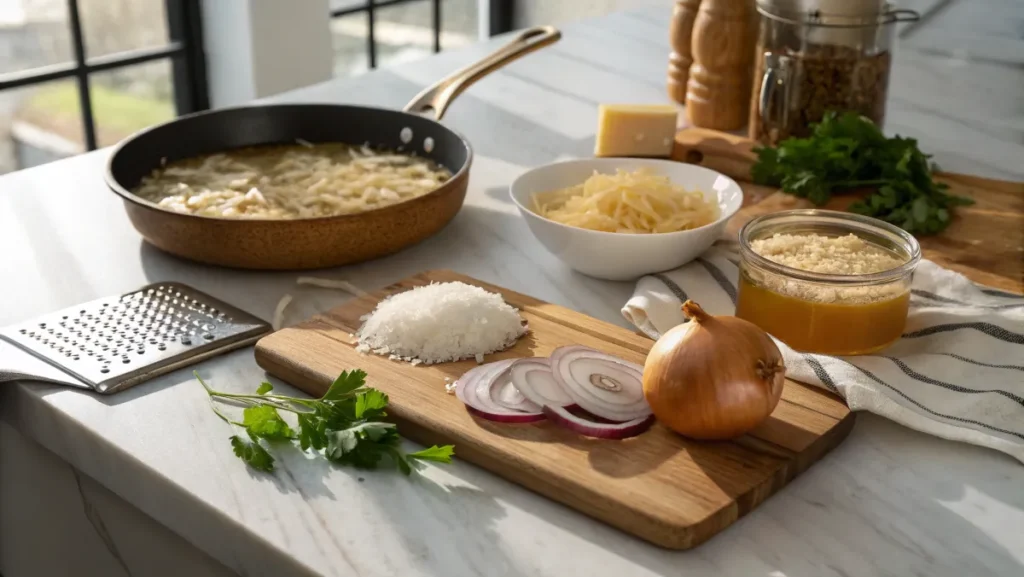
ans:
x=658 y=486
x=985 y=241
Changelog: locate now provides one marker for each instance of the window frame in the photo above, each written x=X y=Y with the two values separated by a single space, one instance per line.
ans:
x=499 y=20
x=184 y=50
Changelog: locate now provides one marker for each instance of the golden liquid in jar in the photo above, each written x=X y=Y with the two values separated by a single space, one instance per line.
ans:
x=827 y=328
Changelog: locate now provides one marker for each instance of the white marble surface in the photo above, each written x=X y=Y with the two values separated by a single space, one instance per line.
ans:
x=887 y=502
x=45 y=501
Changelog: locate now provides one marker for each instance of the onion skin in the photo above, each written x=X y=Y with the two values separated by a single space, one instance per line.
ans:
x=713 y=378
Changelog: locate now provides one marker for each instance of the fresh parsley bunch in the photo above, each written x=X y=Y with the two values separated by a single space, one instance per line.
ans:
x=345 y=425
x=848 y=152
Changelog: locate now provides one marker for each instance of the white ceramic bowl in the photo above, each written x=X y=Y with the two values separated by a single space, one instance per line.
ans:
x=618 y=256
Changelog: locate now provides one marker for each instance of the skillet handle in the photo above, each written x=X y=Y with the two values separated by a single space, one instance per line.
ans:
x=438 y=96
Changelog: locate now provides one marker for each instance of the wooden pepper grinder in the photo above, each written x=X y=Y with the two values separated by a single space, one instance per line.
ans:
x=680 y=33
x=718 y=92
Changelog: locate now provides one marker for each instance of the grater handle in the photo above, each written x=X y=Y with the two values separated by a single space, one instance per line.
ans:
x=16 y=364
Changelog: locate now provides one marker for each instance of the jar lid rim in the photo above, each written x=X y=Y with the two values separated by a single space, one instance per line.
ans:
x=788 y=14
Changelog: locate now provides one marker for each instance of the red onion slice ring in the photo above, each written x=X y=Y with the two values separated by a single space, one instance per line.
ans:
x=474 y=387
x=465 y=386
x=599 y=430
x=533 y=378
x=601 y=384
x=504 y=392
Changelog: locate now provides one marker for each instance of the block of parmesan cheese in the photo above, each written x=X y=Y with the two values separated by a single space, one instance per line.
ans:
x=635 y=130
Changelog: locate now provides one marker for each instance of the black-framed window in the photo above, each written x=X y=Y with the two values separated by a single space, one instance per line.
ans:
x=377 y=20
x=91 y=60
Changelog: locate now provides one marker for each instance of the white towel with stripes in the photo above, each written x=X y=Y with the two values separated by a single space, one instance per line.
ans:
x=957 y=372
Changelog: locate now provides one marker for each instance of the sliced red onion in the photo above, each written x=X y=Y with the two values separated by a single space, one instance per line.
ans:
x=533 y=378
x=601 y=384
x=597 y=354
x=474 y=389
x=465 y=386
x=511 y=417
x=504 y=392
x=599 y=430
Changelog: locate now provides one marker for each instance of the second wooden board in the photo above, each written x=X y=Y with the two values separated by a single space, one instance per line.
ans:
x=984 y=241
x=659 y=486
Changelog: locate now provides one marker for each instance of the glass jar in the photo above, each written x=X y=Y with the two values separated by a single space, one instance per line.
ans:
x=838 y=314
x=809 y=63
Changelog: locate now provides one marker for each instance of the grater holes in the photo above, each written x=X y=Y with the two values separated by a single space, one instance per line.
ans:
x=105 y=370
x=161 y=347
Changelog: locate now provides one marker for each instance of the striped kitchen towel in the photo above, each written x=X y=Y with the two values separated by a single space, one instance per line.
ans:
x=957 y=372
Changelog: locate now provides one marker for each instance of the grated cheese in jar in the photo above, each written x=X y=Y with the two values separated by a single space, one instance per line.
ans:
x=848 y=254
x=844 y=255
x=440 y=322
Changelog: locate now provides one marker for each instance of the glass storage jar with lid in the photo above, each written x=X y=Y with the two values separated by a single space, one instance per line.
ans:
x=809 y=62
x=845 y=311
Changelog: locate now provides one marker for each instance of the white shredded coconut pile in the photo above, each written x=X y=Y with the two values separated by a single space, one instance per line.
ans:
x=440 y=322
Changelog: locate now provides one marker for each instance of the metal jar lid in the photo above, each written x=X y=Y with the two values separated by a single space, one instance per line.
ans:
x=809 y=13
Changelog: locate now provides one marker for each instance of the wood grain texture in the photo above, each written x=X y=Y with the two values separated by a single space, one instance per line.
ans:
x=680 y=33
x=722 y=45
x=984 y=242
x=659 y=486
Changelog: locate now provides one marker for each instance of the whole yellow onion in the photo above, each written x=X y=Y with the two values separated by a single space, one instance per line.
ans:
x=714 y=377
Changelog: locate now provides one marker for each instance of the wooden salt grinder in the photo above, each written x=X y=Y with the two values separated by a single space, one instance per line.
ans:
x=680 y=32
x=718 y=92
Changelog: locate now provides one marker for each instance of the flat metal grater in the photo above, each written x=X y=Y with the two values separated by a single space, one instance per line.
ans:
x=117 y=342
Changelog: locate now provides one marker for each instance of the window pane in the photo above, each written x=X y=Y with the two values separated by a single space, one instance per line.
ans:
x=117 y=25
x=126 y=100
x=349 y=38
x=459 y=24
x=404 y=32
x=39 y=124
x=33 y=34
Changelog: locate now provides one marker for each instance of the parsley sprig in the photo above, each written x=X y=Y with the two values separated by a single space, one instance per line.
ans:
x=847 y=152
x=346 y=425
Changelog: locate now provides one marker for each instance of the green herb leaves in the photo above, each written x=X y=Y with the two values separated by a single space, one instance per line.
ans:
x=345 y=425
x=253 y=454
x=264 y=422
x=848 y=152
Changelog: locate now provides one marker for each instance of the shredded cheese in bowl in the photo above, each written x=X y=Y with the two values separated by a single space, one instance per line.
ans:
x=640 y=202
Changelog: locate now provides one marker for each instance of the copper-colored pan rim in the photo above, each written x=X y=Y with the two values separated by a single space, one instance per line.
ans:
x=113 y=184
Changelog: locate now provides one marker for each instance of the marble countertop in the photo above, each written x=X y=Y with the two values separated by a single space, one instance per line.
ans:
x=888 y=501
